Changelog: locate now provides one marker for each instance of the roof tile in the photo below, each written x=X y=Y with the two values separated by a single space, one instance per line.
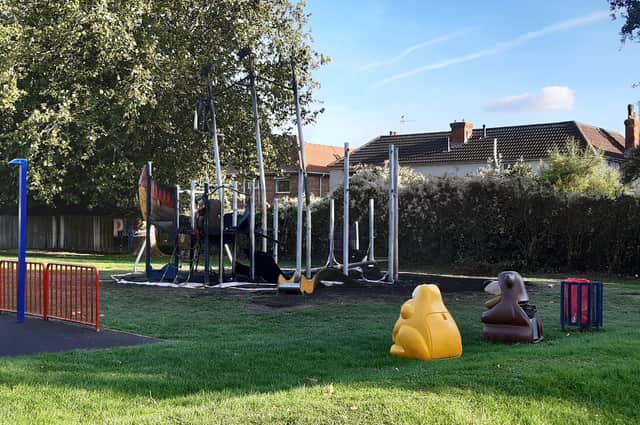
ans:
x=530 y=142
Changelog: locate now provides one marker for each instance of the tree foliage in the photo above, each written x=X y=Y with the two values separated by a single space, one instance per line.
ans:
x=631 y=166
x=90 y=91
x=581 y=171
x=629 y=10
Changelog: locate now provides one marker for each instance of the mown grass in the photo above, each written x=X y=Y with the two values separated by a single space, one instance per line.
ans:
x=224 y=362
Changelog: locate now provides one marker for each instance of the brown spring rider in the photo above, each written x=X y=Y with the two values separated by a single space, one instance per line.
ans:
x=510 y=318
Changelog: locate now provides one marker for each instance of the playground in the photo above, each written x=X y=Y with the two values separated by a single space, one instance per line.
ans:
x=238 y=357
x=204 y=324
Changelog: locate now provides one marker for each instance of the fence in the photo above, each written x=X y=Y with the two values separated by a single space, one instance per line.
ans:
x=57 y=291
x=78 y=233
x=35 y=290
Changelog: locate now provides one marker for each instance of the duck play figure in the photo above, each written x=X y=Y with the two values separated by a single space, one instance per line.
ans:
x=425 y=329
x=510 y=317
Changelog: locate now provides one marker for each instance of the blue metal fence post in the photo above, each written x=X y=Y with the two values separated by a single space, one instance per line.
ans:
x=22 y=236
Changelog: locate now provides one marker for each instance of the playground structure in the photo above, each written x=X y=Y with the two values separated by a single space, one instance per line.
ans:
x=207 y=225
x=207 y=220
x=66 y=292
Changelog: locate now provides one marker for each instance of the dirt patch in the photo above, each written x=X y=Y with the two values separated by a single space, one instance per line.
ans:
x=265 y=302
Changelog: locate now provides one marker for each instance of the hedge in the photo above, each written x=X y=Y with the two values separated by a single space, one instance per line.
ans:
x=485 y=224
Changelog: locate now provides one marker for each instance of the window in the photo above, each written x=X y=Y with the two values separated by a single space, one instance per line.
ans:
x=283 y=186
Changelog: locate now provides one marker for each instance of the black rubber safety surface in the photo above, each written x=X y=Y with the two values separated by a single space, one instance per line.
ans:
x=36 y=336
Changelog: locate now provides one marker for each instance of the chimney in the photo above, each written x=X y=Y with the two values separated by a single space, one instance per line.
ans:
x=632 y=129
x=460 y=132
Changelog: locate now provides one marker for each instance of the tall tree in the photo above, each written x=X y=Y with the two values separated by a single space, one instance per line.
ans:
x=629 y=10
x=91 y=90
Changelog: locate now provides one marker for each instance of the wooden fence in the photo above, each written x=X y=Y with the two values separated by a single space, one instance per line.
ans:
x=77 y=233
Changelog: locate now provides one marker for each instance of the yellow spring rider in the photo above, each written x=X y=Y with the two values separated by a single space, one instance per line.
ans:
x=425 y=329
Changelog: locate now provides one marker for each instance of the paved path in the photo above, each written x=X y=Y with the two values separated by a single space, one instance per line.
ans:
x=39 y=336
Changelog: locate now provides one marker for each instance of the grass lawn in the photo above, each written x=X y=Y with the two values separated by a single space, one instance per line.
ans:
x=225 y=361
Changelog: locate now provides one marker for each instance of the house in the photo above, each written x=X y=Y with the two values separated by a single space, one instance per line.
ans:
x=464 y=150
x=284 y=182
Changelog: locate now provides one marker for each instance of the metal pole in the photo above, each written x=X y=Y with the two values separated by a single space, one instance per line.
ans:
x=177 y=254
x=147 y=261
x=371 y=255
x=234 y=223
x=192 y=205
x=301 y=153
x=22 y=236
x=396 y=214
x=331 y=259
x=177 y=208
x=207 y=208
x=303 y=166
x=214 y=131
x=139 y=256
x=308 y=269
x=263 y=185
x=252 y=231
x=357 y=235
x=299 y=228
x=392 y=227
x=345 y=214
x=221 y=247
x=275 y=229
x=234 y=204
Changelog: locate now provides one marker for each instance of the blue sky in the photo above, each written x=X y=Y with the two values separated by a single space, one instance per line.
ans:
x=497 y=62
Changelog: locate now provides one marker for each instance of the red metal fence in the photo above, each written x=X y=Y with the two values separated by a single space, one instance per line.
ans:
x=58 y=291
x=74 y=293
x=35 y=289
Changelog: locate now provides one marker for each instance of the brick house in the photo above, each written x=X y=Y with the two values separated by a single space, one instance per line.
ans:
x=464 y=150
x=284 y=183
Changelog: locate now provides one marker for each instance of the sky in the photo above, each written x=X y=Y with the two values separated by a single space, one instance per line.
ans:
x=417 y=65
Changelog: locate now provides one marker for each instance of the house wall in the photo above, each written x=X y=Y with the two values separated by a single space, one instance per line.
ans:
x=436 y=170
x=318 y=186
x=461 y=169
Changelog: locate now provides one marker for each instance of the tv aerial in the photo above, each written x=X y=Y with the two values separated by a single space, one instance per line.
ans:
x=404 y=120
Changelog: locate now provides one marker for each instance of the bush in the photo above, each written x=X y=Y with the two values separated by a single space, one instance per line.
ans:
x=582 y=171
x=485 y=224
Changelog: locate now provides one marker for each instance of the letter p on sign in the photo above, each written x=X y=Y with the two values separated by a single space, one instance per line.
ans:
x=118 y=227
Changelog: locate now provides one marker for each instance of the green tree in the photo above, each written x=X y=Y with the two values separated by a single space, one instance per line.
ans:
x=581 y=171
x=629 y=10
x=91 y=90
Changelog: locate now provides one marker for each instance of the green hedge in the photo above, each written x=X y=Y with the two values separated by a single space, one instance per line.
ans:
x=486 y=224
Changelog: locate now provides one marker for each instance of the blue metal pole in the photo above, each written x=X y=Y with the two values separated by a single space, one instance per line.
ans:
x=22 y=236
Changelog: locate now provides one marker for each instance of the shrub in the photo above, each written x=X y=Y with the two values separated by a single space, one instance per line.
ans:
x=581 y=171
x=485 y=224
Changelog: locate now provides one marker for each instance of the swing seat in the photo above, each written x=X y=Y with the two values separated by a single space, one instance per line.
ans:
x=303 y=285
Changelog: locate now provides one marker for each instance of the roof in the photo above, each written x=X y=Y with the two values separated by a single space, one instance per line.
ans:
x=530 y=142
x=318 y=157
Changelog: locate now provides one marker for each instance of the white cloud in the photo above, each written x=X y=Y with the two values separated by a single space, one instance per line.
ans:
x=548 y=98
x=411 y=49
x=500 y=47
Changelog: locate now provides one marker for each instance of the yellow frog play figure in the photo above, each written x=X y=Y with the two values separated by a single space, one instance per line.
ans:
x=425 y=329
